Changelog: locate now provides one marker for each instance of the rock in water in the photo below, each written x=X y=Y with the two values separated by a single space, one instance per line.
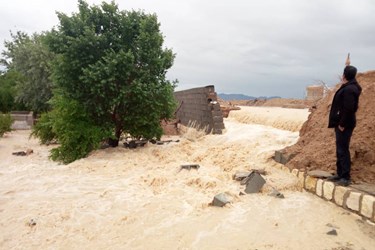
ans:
x=220 y=200
x=254 y=183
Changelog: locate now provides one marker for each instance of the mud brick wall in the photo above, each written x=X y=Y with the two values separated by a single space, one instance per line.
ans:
x=199 y=108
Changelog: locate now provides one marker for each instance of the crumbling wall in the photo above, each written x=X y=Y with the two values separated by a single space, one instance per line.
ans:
x=22 y=120
x=199 y=108
x=315 y=92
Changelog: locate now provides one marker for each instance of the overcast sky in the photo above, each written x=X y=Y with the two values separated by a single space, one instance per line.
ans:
x=252 y=47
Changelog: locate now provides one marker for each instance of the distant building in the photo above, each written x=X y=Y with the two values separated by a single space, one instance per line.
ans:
x=315 y=92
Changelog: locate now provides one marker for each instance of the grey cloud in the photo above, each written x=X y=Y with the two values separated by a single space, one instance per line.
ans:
x=274 y=47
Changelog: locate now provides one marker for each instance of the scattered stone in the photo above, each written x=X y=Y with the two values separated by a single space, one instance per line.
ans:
x=332 y=232
x=190 y=166
x=245 y=180
x=241 y=193
x=244 y=176
x=240 y=175
x=282 y=157
x=220 y=200
x=261 y=171
x=23 y=153
x=276 y=194
x=319 y=174
x=254 y=183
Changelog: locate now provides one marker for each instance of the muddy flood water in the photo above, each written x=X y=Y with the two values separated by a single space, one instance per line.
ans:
x=119 y=198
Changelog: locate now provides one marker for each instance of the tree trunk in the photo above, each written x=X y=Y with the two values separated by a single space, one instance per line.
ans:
x=118 y=130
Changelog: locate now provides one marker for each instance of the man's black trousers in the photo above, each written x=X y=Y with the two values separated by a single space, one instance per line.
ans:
x=343 y=163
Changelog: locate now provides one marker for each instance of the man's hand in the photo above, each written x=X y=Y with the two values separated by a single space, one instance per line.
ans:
x=341 y=128
x=347 y=62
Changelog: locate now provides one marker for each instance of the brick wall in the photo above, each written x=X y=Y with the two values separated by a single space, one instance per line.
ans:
x=199 y=108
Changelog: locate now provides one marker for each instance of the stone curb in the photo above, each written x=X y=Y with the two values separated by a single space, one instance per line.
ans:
x=353 y=200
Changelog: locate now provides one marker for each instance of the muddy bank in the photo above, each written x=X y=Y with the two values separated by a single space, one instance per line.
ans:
x=315 y=148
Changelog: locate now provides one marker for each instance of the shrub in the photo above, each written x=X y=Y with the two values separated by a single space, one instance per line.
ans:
x=5 y=123
x=43 y=129
x=70 y=125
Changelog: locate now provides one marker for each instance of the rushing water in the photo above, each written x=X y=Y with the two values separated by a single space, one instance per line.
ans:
x=120 y=198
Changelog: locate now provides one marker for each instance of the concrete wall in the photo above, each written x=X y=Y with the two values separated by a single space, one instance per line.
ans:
x=22 y=120
x=199 y=108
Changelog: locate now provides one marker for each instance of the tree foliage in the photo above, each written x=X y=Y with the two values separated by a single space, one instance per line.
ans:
x=68 y=124
x=31 y=58
x=5 y=123
x=43 y=129
x=8 y=91
x=109 y=72
x=113 y=64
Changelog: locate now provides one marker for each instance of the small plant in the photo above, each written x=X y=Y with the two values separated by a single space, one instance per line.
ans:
x=5 y=123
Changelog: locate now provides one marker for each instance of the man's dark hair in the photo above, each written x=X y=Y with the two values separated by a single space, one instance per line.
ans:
x=350 y=72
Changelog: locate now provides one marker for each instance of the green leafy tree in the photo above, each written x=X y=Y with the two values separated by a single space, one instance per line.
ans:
x=112 y=64
x=8 y=92
x=29 y=56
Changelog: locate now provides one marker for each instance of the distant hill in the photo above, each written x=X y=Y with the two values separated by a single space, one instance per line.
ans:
x=228 y=97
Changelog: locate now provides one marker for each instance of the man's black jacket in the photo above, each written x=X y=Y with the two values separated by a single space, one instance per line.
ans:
x=345 y=105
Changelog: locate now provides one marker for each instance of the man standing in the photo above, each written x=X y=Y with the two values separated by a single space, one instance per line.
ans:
x=343 y=119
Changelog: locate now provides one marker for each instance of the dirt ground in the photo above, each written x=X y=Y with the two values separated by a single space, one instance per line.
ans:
x=275 y=102
x=121 y=198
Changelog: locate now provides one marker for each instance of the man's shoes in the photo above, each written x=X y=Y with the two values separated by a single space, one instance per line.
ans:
x=334 y=178
x=343 y=182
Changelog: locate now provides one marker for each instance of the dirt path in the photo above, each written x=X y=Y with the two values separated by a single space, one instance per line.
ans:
x=137 y=199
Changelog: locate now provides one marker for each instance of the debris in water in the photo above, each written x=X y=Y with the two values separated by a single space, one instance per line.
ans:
x=219 y=200
x=254 y=183
x=23 y=153
x=240 y=175
x=276 y=194
x=31 y=223
x=153 y=141
x=190 y=166
x=135 y=143
x=332 y=232
x=246 y=179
